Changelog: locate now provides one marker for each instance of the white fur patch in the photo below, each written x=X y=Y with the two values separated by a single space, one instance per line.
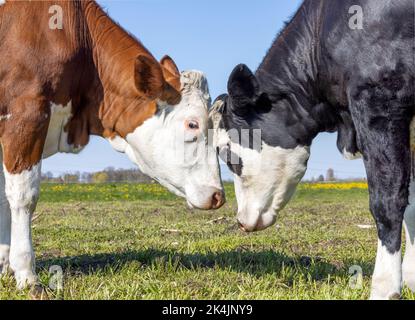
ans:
x=2 y=2
x=5 y=117
x=22 y=191
x=387 y=277
x=118 y=144
x=351 y=156
x=57 y=137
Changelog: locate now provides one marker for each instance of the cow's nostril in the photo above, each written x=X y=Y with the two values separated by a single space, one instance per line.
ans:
x=241 y=226
x=217 y=200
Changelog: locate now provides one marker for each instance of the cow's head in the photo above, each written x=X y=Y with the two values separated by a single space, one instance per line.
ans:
x=247 y=137
x=171 y=145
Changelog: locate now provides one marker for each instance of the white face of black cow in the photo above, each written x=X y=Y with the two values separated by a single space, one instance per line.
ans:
x=265 y=176
x=172 y=147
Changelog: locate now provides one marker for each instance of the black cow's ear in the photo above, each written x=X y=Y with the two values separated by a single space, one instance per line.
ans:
x=243 y=86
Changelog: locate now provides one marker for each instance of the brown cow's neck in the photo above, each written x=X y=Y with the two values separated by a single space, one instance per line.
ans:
x=110 y=45
x=113 y=52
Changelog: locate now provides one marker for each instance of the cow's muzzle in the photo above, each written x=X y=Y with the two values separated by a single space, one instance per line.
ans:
x=212 y=202
x=218 y=200
x=263 y=222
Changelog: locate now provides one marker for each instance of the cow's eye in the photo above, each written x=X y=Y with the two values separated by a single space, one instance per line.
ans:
x=192 y=125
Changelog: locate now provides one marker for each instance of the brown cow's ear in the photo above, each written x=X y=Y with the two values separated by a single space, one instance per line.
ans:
x=170 y=66
x=171 y=95
x=148 y=75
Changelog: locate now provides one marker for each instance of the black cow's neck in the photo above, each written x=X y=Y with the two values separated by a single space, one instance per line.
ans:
x=289 y=74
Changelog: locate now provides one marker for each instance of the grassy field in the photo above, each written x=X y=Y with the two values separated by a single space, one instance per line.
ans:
x=130 y=241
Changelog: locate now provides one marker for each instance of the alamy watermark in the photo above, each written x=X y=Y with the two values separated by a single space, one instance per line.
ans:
x=356 y=277
x=56 y=20
x=356 y=19
x=233 y=147
x=56 y=279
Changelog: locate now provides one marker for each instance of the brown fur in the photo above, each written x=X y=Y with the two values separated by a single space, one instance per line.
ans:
x=112 y=80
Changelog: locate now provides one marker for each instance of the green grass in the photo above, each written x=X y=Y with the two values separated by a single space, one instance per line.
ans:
x=139 y=242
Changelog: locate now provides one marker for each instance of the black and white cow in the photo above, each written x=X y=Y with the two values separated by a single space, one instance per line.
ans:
x=345 y=66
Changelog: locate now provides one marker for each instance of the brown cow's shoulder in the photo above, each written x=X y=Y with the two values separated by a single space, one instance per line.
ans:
x=102 y=80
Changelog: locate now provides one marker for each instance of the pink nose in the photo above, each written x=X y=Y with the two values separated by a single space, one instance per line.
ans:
x=218 y=199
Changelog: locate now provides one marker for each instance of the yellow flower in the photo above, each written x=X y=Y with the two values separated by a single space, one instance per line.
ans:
x=334 y=186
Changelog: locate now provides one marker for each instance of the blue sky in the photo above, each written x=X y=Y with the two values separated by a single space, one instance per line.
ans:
x=212 y=36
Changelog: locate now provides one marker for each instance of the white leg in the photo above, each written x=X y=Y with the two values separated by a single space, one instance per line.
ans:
x=408 y=266
x=5 y=225
x=387 y=277
x=22 y=191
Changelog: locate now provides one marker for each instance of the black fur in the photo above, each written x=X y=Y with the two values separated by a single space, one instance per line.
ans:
x=322 y=76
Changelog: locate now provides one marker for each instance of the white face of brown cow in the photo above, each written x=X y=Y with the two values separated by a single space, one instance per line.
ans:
x=172 y=147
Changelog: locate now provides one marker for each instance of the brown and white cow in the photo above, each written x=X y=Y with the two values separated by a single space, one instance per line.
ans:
x=59 y=85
